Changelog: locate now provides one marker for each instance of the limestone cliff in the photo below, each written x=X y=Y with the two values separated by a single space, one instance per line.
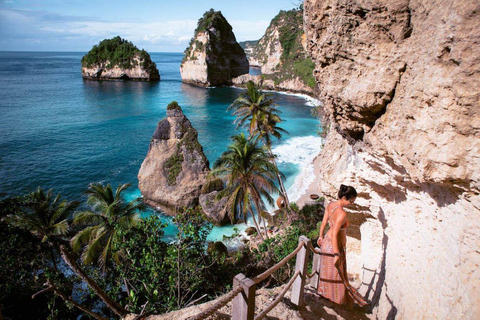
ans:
x=116 y=58
x=175 y=168
x=213 y=56
x=399 y=81
x=282 y=56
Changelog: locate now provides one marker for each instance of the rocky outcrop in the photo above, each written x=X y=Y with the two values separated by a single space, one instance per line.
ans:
x=282 y=56
x=118 y=59
x=295 y=85
x=175 y=168
x=399 y=82
x=213 y=57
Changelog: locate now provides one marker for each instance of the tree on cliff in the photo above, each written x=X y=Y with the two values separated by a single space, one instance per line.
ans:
x=249 y=173
x=46 y=217
x=110 y=212
x=256 y=111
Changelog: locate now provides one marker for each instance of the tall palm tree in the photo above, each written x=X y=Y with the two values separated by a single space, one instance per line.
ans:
x=249 y=175
x=257 y=112
x=109 y=213
x=46 y=217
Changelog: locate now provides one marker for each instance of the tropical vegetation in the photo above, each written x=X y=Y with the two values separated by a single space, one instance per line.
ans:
x=249 y=173
x=256 y=110
x=117 y=52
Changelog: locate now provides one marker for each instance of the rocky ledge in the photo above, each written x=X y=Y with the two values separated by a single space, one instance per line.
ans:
x=213 y=56
x=175 y=168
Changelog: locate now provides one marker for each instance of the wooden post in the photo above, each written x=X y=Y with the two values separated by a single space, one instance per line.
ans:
x=316 y=270
x=302 y=265
x=243 y=305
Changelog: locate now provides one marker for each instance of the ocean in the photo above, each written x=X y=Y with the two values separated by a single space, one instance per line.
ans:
x=62 y=132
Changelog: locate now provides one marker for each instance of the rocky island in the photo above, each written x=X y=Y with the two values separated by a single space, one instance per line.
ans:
x=118 y=59
x=213 y=56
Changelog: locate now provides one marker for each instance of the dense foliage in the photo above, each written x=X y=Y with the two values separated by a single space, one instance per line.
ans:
x=117 y=52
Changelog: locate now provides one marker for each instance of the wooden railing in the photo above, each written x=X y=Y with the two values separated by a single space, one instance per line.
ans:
x=244 y=289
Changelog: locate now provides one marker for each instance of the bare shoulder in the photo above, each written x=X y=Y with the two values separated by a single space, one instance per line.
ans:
x=340 y=214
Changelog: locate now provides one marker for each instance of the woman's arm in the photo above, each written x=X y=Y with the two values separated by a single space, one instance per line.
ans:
x=339 y=221
x=322 y=227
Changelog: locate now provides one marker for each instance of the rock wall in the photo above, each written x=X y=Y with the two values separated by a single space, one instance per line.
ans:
x=100 y=72
x=213 y=57
x=175 y=168
x=399 y=81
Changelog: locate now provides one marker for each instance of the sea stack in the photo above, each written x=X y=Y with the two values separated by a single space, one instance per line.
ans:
x=175 y=168
x=213 y=56
x=118 y=59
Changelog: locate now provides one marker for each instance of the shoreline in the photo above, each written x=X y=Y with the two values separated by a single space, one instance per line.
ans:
x=310 y=98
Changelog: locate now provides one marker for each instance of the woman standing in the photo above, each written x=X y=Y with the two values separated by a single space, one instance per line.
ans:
x=333 y=281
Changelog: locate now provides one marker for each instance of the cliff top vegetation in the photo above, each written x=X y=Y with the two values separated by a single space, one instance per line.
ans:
x=117 y=52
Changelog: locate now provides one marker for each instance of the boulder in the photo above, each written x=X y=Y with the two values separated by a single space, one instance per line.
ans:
x=213 y=57
x=217 y=247
x=213 y=209
x=175 y=168
x=250 y=231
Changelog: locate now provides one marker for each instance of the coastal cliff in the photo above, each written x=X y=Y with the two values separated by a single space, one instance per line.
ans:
x=118 y=59
x=175 y=168
x=281 y=55
x=213 y=56
x=399 y=81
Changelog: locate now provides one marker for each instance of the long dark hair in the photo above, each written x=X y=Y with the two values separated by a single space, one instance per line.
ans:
x=348 y=192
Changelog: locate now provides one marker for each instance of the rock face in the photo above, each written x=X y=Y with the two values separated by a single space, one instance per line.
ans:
x=101 y=72
x=399 y=81
x=175 y=167
x=213 y=57
x=118 y=59
x=282 y=56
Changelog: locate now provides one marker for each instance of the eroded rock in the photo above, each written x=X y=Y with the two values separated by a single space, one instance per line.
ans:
x=213 y=57
x=175 y=167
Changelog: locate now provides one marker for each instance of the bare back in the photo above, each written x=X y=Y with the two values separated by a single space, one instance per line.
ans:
x=333 y=209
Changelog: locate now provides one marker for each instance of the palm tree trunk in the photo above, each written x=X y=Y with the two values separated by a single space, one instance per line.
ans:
x=72 y=263
x=256 y=224
x=257 y=206
x=280 y=182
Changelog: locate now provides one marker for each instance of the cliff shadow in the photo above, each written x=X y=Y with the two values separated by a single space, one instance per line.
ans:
x=377 y=282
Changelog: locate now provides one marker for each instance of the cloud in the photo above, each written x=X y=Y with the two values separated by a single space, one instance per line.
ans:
x=43 y=30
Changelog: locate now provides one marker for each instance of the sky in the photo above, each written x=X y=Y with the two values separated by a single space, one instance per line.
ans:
x=153 y=25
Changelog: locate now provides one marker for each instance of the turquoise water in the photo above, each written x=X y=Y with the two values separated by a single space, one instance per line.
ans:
x=60 y=131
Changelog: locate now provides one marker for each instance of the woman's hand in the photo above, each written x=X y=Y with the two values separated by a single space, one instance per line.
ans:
x=319 y=241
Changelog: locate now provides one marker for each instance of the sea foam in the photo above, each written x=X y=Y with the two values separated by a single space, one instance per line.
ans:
x=300 y=151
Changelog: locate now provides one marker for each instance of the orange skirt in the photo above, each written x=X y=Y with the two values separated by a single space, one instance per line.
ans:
x=331 y=283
